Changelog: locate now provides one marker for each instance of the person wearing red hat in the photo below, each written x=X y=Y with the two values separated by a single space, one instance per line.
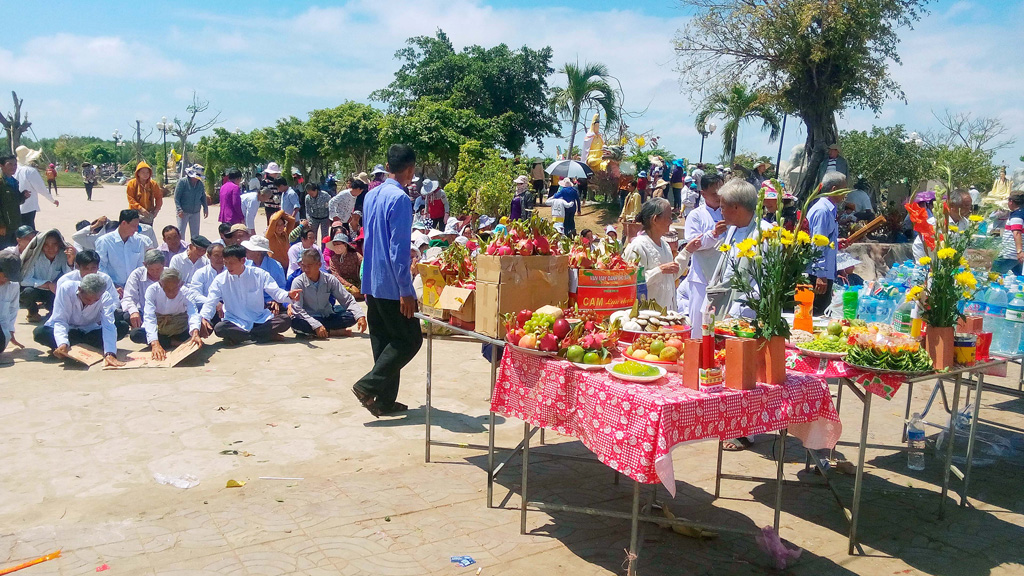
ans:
x=51 y=178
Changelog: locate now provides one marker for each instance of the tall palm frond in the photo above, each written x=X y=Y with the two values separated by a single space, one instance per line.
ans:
x=736 y=105
x=587 y=87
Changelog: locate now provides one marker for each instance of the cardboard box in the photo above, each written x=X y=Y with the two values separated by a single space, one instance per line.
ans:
x=741 y=363
x=508 y=284
x=433 y=285
x=460 y=304
x=970 y=325
x=603 y=291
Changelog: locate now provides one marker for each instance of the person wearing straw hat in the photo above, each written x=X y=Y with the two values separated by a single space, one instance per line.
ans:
x=757 y=174
x=345 y=263
x=31 y=181
x=190 y=199
x=516 y=208
x=260 y=255
x=10 y=276
x=834 y=163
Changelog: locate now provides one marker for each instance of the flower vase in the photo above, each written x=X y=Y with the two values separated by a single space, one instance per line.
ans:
x=939 y=343
x=771 y=368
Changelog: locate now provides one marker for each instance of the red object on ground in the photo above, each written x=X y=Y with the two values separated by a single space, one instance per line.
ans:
x=633 y=428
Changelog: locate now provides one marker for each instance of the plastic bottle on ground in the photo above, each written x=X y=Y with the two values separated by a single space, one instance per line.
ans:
x=915 y=443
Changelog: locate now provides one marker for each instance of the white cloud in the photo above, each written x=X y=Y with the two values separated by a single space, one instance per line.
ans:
x=66 y=58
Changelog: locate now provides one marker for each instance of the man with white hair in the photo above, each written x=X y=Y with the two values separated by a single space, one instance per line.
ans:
x=82 y=314
x=822 y=219
x=169 y=316
x=31 y=181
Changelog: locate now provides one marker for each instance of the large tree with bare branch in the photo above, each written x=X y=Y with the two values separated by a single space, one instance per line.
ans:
x=191 y=126
x=14 y=125
x=814 y=57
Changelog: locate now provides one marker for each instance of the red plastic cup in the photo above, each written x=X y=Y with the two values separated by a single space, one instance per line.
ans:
x=982 y=346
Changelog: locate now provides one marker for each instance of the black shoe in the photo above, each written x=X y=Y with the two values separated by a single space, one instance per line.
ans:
x=395 y=408
x=367 y=401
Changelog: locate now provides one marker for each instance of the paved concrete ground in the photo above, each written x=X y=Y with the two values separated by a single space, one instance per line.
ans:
x=79 y=451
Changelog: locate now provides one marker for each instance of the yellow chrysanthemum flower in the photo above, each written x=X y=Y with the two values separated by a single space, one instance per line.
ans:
x=966 y=279
x=724 y=248
x=924 y=261
x=993 y=277
x=746 y=254
x=963 y=262
x=820 y=240
x=975 y=218
x=953 y=228
x=946 y=253
x=802 y=237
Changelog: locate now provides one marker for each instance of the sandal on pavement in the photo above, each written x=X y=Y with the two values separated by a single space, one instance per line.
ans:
x=736 y=444
x=367 y=401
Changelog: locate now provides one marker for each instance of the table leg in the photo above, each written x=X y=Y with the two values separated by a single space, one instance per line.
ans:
x=778 y=485
x=970 y=437
x=490 y=431
x=430 y=366
x=839 y=394
x=634 y=531
x=718 y=471
x=859 y=479
x=906 y=413
x=1020 y=380
x=950 y=440
x=526 y=469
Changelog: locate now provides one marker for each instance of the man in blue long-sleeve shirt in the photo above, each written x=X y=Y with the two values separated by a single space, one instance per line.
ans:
x=387 y=283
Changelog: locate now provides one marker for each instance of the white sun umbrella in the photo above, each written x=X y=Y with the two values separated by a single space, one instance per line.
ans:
x=570 y=169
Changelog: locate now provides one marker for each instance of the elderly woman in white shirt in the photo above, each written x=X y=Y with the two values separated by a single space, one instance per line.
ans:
x=169 y=317
x=660 y=268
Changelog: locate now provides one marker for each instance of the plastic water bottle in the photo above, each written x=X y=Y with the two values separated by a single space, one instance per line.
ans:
x=995 y=312
x=976 y=305
x=641 y=283
x=1011 y=336
x=915 y=443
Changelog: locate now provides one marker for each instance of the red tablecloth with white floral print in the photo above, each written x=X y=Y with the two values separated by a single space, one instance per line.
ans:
x=882 y=385
x=633 y=428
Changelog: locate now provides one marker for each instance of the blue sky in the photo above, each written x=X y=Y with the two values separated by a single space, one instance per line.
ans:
x=260 y=60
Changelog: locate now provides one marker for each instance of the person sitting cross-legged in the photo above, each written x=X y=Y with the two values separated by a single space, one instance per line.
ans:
x=82 y=314
x=138 y=282
x=44 y=260
x=241 y=291
x=312 y=312
x=169 y=316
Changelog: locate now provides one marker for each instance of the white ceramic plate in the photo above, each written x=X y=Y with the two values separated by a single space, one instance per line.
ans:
x=589 y=367
x=641 y=379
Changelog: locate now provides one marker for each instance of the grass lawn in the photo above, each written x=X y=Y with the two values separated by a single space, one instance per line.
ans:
x=68 y=180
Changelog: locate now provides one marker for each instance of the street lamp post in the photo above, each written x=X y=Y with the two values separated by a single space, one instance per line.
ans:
x=706 y=130
x=119 y=143
x=164 y=127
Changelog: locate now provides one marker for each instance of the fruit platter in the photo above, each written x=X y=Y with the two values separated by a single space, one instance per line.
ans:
x=735 y=328
x=646 y=317
x=830 y=343
x=547 y=332
x=633 y=371
x=662 y=350
x=880 y=349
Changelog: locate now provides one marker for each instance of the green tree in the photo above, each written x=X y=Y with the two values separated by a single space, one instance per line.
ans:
x=885 y=156
x=225 y=150
x=350 y=131
x=587 y=88
x=736 y=106
x=98 y=153
x=968 y=165
x=292 y=143
x=507 y=87
x=483 y=184
x=436 y=131
x=812 y=58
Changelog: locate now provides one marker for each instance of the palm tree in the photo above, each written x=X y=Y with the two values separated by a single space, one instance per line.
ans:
x=587 y=88
x=739 y=104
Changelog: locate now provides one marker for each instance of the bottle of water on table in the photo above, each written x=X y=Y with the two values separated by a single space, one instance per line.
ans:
x=915 y=443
